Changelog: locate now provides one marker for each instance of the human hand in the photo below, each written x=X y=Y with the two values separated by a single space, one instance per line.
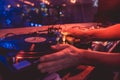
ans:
x=82 y=35
x=67 y=56
x=75 y=32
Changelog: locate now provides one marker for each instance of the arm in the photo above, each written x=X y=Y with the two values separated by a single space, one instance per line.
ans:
x=69 y=56
x=109 y=33
x=101 y=59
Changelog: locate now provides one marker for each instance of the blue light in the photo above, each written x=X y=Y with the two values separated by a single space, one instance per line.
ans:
x=9 y=45
x=8 y=21
x=36 y=25
x=32 y=24
x=44 y=14
x=40 y=25
x=4 y=13
x=42 y=5
x=33 y=9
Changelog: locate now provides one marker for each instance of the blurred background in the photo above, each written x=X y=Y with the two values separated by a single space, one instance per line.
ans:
x=26 y=13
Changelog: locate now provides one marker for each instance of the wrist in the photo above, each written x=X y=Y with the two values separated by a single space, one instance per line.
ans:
x=82 y=56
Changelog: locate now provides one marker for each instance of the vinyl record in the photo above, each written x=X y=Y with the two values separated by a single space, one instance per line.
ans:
x=42 y=43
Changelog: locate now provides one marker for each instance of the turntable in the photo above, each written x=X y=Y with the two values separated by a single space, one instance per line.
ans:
x=21 y=52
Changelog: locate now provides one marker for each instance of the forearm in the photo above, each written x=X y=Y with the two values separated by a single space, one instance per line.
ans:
x=110 y=33
x=101 y=59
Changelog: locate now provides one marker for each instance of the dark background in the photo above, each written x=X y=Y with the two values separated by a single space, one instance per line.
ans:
x=22 y=13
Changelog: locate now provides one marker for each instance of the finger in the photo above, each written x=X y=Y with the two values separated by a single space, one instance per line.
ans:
x=52 y=76
x=58 y=55
x=60 y=46
x=53 y=69
x=56 y=66
x=55 y=56
x=62 y=65
x=52 y=66
x=47 y=64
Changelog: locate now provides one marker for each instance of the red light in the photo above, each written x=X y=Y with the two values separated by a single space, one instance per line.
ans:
x=73 y=1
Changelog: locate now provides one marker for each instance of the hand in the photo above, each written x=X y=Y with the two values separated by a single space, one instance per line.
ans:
x=67 y=56
x=82 y=34
x=75 y=32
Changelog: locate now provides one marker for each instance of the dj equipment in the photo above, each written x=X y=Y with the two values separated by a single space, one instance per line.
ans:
x=19 y=54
